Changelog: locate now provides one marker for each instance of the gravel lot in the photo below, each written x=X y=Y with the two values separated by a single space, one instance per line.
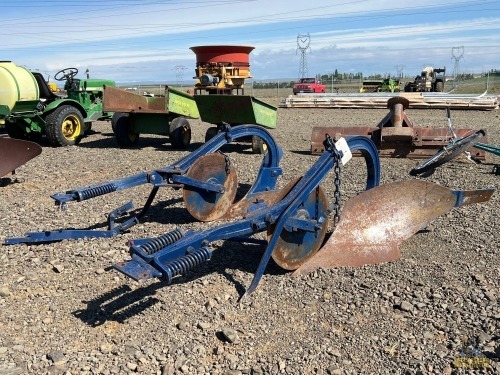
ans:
x=64 y=311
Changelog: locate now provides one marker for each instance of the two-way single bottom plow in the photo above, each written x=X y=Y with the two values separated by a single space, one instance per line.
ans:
x=371 y=227
x=207 y=178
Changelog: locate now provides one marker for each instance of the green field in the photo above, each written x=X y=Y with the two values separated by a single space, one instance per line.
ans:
x=470 y=86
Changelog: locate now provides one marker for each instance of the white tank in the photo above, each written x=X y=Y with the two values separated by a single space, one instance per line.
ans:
x=17 y=84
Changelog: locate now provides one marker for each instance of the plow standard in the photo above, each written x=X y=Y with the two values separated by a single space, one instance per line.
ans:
x=368 y=230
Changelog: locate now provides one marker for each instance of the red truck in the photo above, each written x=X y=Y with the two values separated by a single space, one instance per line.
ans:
x=311 y=85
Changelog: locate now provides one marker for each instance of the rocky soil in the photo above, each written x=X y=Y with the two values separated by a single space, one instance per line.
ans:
x=63 y=310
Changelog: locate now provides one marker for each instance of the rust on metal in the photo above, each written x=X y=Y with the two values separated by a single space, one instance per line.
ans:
x=16 y=152
x=119 y=100
x=395 y=135
x=295 y=247
x=374 y=223
x=206 y=205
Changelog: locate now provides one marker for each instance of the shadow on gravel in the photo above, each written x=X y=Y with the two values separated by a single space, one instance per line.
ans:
x=123 y=303
x=301 y=152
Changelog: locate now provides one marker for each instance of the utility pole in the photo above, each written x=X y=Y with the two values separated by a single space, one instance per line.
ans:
x=399 y=69
x=303 y=44
x=179 y=74
x=457 y=53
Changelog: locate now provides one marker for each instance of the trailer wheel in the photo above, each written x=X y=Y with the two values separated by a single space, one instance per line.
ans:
x=258 y=145
x=124 y=133
x=180 y=133
x=439 y=86
x=64 y=126
x=211 y=132
x=115 y=118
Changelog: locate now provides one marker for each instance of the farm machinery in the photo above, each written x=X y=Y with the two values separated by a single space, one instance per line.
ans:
x=368 y=230
x=396 y=136
x=218 y=99
x=30 y=109
x=430 y=80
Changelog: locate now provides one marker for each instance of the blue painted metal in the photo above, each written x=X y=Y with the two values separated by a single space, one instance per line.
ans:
x=171 y=176
x=147 y=265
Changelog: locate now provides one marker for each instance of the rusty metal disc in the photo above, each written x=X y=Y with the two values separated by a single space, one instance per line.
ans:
x=208 y=205
x=296 y=246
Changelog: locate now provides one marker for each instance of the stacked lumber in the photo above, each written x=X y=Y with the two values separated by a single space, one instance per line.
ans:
x=379 y=100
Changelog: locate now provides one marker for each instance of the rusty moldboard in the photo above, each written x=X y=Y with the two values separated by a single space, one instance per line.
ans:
x=16 y=152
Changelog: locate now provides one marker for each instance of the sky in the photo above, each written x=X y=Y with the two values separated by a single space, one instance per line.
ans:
x=148 y=41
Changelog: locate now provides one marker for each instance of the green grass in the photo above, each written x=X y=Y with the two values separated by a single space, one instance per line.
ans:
x=470 y=86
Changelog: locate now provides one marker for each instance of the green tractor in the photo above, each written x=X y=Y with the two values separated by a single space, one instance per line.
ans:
x=30 y=110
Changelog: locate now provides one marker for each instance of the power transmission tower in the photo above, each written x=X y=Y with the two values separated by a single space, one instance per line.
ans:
x=303 y=44
x=399 y=69
x=179 y=74
x=457 y=53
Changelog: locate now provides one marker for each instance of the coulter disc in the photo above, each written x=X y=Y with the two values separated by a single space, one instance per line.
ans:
x=295 y=247
x=207 y=205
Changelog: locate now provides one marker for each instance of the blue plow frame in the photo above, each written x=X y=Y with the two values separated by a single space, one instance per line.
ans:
x=171 y=176
x=177 y=252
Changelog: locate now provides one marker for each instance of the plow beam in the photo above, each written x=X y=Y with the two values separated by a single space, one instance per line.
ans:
x=176 y=175
x=16 y=152
x=296 y=221
x=396 y=136
x=374 y=223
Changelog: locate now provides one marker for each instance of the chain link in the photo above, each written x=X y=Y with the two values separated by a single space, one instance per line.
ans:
x=228 y=162
x=336 y=194
x=329 y=144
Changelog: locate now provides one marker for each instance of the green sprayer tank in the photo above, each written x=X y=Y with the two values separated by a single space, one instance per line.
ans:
x=18 y=88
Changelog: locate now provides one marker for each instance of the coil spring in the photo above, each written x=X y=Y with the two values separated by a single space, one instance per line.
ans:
x=159 y=243
x=93 y=192
x=187 y=262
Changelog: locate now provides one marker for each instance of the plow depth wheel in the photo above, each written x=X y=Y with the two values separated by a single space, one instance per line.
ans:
x=207 y=205
x=64 y=126
x=296 y=246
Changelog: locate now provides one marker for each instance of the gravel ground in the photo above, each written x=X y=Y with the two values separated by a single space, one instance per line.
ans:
x=63 y=310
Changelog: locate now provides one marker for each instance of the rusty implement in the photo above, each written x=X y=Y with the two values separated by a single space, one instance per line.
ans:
x=16 y=152
x=396 y=136
x=374 y=223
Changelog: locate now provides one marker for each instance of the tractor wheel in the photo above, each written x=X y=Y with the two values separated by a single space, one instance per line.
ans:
x=211 y=132
x=439 y=86
x=14 y=130
x=258 y=145
x=125 y=134
x=64 y=126
x=180 y=133
x=115 y=118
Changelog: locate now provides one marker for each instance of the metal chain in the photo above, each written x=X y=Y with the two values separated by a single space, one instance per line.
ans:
x=330 y=145
x=336 y=193
x=228 y=162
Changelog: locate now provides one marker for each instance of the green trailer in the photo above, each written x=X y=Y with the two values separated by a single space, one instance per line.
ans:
x=167 y=114
x=236 y=110
x=136 y=114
